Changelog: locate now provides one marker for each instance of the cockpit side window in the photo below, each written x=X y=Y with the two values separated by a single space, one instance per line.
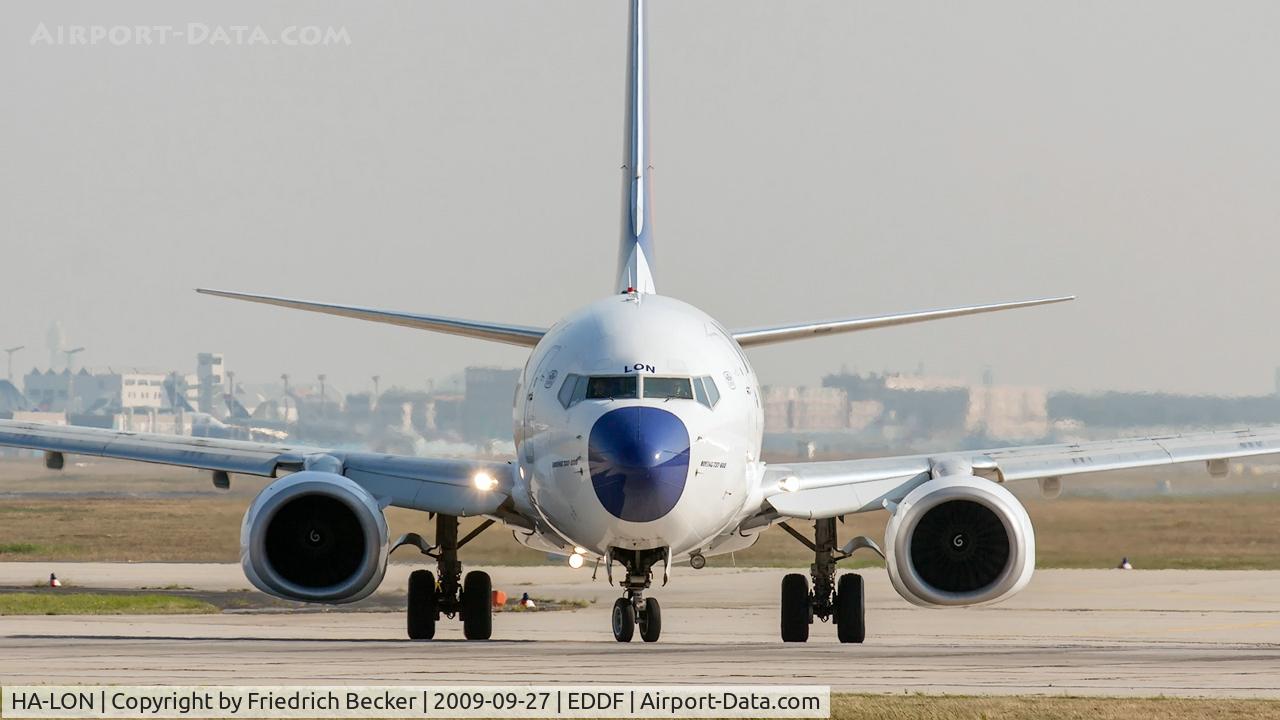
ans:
x=565 y=396
x=613 y=387
x=700 y=391
x=669 y=388
x=708 y=393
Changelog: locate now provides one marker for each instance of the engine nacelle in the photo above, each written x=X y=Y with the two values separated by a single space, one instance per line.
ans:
x=959 y=540
x=314 y=536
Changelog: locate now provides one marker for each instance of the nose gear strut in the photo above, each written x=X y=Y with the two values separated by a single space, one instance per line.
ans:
x=634 y=609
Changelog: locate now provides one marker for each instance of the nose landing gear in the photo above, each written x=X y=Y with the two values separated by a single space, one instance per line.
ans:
x=843 y=602
x=634 y=609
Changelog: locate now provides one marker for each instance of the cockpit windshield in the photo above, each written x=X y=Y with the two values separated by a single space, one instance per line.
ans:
x=613 y=387
x=577 y=388
x=669 y=388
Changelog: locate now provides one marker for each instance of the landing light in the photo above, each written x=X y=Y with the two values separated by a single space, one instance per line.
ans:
x=484 y=482
x=580 y=550
x=576 y=560
x=790 y=483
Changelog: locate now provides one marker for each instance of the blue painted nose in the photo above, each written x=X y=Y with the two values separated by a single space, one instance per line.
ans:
x=639 y=460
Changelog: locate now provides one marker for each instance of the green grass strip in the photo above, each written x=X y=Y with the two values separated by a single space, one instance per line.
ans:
x=52 y=603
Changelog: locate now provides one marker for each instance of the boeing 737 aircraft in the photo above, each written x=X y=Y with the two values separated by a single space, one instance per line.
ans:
x=638 y=429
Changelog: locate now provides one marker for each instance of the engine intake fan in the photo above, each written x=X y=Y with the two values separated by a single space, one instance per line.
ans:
x=959 y=540
x=314 y=536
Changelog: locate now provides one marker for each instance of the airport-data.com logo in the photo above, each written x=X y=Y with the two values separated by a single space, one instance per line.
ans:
x=196 y=33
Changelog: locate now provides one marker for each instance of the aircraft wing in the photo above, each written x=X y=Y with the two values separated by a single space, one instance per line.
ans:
x=783 y=333
x=436 y=485
x=812 y=490
x=497 y=332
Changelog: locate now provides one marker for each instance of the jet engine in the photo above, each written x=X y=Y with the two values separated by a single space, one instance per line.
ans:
x=959 y=540
x=314 y=536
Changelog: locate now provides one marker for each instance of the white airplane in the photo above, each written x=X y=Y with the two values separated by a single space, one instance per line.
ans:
x=638 y=428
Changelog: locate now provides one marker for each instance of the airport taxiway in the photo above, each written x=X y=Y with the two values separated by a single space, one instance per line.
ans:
x=1079 y=632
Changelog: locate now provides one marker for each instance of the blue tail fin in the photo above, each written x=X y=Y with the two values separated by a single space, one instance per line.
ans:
x=635 y=256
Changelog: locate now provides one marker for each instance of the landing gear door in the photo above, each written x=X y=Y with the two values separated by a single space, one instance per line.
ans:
x=536 y=386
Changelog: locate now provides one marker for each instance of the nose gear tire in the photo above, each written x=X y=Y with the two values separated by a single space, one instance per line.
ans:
x=624 y=620
x=650 y=620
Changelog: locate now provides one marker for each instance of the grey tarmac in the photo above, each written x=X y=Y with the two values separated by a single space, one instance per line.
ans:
x=1078 y=632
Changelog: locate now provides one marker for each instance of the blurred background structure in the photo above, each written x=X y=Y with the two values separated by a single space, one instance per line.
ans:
x=849 y=414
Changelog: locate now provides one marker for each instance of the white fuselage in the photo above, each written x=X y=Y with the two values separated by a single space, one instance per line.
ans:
x=636 y=458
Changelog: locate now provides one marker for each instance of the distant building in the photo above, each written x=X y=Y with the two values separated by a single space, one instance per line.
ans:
x=920 y=407
x=789 y=409
x=210 y=376
x=911 y=406
x=1008 y=412
x=48 y=391
x=447 y=414
x=864 y=413
x=359 y=406
x=406 y=410
x=776 y=402
x=486 y=406
x=131 y=391
x=95 y=393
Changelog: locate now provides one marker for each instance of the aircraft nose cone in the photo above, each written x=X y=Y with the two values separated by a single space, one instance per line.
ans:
x=639 y=461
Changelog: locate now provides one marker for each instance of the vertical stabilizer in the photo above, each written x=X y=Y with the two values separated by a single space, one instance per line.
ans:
x=635 y=255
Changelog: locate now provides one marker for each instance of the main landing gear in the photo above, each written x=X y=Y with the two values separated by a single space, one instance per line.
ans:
x=470 y=599
x=634 y=609
x=843 y=602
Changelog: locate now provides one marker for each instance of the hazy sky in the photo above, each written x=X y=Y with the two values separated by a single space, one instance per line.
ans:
x=812 y=160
